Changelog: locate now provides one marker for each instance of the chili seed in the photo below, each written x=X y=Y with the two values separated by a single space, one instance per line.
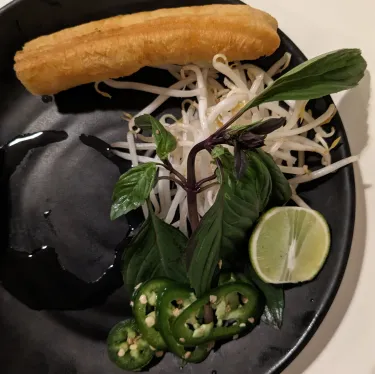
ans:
x=152 y=299
x=137 y=338
x=143 y=299
x=150 y=321
x=182 y=340
x=121 y=352
x=251 y=320
x=159 y=354
x=187 y=354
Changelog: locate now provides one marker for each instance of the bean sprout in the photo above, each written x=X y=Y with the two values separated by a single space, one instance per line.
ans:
x=152 y=89
x=208 y=103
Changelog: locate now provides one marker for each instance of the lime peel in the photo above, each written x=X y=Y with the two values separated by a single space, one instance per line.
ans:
x=289 y=245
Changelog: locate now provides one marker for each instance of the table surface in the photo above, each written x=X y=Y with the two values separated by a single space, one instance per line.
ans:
x=345 y=341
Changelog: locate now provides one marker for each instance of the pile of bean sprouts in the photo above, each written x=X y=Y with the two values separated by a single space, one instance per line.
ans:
x=208 y=102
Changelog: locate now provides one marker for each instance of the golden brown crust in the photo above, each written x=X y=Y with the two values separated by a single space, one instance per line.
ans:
x=121 y=45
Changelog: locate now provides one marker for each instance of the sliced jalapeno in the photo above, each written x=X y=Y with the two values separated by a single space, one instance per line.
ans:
x=237 y=308
x=145 y=298
x=170 y=304
x=127 y=348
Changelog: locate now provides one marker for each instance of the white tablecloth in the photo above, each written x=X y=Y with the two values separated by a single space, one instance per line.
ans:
x=345 y=342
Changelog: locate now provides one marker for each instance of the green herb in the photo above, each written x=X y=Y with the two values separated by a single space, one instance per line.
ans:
x=218 y=151
x=281 y=191
x=132 y=189
x=274 y=308
x=244 y=137
x=156 y=250
x=164 y=140
x=223 y=230
x=240 y=160
x=262 y=127
x=323 y=75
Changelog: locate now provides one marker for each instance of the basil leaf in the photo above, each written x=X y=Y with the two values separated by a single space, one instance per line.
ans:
x=156 y=250
x=218 y=151
x=223 y=231
x=164 y=140
x=240 y=161
x=132 y=189
x=323 y=75
x=274 y=309
x=259 y=127
x=249 y=140
x=268 y=126
x=281 y=191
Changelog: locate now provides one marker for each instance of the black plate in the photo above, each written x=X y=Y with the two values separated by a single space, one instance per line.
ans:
x=59 y=196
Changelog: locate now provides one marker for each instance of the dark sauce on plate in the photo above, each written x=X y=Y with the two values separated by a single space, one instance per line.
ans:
x=38 y=279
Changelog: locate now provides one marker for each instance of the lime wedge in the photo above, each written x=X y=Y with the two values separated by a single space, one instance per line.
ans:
x=289 y=245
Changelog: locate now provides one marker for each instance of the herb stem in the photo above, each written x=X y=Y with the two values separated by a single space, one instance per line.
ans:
x=171 y=169
x=230 y=121
x=172 y=179
x=191 y=186
x=192 y=209
x=207 y=187
x=205 y=180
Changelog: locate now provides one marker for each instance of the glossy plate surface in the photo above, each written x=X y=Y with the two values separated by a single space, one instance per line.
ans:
x=55 y=199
